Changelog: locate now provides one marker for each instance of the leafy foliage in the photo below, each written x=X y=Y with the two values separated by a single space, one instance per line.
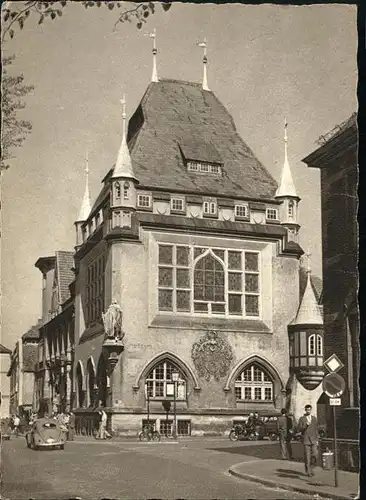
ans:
x=15 y=17
x=14 y=130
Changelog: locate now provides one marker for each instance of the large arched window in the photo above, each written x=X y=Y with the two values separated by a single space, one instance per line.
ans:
x=91 y=382
x=209 y=285
x=159 y=382
x=208 y=281
x=79 y=387
x=253 y=384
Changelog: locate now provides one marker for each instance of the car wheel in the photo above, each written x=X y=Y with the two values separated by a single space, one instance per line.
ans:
x=273 y=436
x=62 y=447
x=321 y=434
x=28 y=443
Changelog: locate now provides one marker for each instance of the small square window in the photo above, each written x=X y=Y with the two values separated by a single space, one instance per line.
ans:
x=177 y=204
x=241 y=211
x=144 y=201
x=272 y=214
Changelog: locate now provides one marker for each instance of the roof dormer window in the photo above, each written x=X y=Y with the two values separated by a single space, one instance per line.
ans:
x=272 y=214
x=177 y=204
x=241 y=211
x=203 y=167
x=210 y=207
x=144 y=201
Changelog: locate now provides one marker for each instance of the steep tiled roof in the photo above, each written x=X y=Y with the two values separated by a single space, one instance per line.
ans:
x=65 y=275
x=32 y=333
x=316 y=283
x=176 y=116
x=30 y=353
x=4 y=350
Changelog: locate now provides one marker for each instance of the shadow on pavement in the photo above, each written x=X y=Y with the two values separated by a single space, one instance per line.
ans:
x=270 y=451
x=289 y=473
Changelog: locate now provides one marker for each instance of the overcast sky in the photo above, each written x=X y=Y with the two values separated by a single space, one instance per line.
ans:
x=265 y=63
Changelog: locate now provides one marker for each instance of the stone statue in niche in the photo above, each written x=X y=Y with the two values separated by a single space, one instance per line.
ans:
x=212 y=356
x=112 y=321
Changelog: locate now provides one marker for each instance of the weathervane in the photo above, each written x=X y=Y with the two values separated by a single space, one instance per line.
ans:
x=123 y=102
x=204 y=60
x=154 y=76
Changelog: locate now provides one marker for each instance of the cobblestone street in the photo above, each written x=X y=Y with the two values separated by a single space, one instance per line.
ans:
x=191 y=469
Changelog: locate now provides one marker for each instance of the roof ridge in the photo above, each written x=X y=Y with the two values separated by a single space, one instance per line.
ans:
x=185 y=82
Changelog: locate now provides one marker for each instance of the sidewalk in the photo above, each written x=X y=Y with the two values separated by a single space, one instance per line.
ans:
x=291 y=476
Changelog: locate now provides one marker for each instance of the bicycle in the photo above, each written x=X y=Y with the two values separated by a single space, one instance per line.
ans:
x=149 y=434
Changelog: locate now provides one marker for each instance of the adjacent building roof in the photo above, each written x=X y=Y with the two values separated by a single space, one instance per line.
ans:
x=174 y=117
x=32 y=334
x=65 y=274
x=4 y=350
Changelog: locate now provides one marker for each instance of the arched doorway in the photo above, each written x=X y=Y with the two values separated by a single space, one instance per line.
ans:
x=91 y=383
x=80 y=387
x=102 y=382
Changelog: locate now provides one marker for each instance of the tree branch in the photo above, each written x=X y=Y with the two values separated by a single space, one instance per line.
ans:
x=19 y=14
x=126 y=12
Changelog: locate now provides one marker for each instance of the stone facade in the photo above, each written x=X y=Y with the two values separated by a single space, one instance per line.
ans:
x=4 y=381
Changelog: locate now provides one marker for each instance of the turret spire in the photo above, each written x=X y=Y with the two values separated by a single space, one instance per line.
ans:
x=309 y=311
x=286 y=187
x=123 y=167
x=204 y=60
x=154 y=76
x=85 y=204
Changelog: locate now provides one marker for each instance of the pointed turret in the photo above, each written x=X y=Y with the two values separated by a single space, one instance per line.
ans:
x=286 y=187
x=85 y=207
x=123 y=182
x=286 y=193
x=123 y=167
x=204 y=61
x=306 y=339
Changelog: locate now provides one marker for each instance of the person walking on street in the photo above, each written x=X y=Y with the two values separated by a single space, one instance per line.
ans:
x=70 y=436
x=284 y=427
x=102 y=424
x=16 y=424
x=308 y=427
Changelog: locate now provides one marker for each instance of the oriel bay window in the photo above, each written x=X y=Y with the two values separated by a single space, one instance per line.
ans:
x=208 y=281
x=159 y=382
x=253 y=384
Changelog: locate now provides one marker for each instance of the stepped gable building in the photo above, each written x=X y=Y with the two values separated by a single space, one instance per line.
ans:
x=187 y=272
x=53 y=381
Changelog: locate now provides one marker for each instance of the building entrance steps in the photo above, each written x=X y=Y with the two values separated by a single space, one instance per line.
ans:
x=291 y=476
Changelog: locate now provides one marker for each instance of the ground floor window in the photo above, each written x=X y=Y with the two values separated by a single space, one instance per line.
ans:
x=183 y=427
x=253 y=384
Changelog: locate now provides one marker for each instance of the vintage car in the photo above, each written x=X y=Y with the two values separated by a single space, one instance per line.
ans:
x=45 y=433
x=5 y=428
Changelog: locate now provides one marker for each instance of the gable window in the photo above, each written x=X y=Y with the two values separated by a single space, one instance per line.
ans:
x=117 y=187
x=159 y=382
x=144 y=200
x=272 y=214
x=210 y=207
x=253 y=384
x=177 y=204
x=241 y=211
x=208 y=281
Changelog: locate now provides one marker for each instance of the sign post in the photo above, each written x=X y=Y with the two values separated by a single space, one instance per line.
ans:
x=334 y=386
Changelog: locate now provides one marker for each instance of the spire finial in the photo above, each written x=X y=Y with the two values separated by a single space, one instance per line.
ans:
x=308 y=255
x=123 y=102
x=286 y=141
x=87 y=164
x=286 y=187
x=154 y=76
x=204 y=60
x=85 y=204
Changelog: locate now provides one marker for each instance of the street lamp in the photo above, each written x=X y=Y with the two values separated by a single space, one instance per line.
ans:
x=175 y=378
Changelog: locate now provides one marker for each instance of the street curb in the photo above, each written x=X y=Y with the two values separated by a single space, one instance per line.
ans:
x=288 y=487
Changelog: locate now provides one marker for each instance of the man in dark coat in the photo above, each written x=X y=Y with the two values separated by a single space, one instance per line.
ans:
x=308 y=427
x=284 y=427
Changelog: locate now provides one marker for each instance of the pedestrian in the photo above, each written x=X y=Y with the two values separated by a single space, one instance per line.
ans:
x=308 y=428
x=71 y=432
x=284 y=427
x=16 y=424
x=102 y=424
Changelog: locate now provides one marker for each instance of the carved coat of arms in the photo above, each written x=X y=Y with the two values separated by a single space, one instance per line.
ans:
x=212 y=356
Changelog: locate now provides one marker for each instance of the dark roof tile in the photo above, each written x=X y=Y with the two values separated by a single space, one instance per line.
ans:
x=174 y=115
